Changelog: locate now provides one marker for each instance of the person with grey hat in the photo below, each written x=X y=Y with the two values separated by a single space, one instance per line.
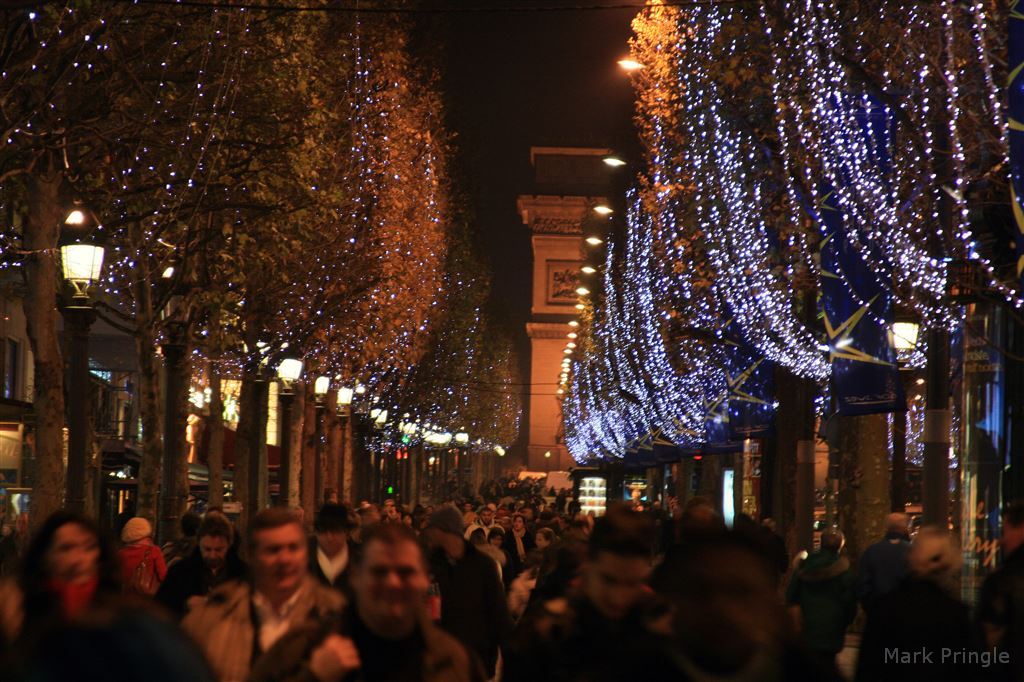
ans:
x=473 y=605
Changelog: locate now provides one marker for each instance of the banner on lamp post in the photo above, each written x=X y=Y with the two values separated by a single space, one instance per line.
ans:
x=1015 y=107
x=858 y=318
x=750 y=381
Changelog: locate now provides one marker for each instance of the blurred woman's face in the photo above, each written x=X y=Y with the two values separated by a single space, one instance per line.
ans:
x=74 y=555
x=542 y=541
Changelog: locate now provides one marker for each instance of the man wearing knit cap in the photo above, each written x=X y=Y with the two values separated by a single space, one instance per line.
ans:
x=142 y=563
x=473 y=606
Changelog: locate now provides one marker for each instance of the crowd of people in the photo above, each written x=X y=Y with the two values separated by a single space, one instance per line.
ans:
x=503 y=587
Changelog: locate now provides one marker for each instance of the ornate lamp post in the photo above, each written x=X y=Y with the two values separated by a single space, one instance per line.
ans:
x=461 y=441
x=288 y=372
x=81 y=265
x=345 y=396
x=320 y=388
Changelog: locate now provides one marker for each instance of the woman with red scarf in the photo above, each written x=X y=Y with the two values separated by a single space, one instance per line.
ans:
x=68 y=567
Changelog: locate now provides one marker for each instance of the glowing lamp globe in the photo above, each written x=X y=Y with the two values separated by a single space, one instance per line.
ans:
x=81 y=264
x=290 y=369
x=905 y=335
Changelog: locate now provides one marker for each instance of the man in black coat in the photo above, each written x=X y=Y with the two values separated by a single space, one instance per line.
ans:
x=331 y=550
x=211 y=564
x=606 y=630
x=473 y=606
x=1001 y=608
x=883 y=565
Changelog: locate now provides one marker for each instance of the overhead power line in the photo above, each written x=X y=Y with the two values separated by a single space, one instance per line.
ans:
x=479 y=9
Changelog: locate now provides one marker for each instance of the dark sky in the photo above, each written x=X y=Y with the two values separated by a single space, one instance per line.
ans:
x=518 y=79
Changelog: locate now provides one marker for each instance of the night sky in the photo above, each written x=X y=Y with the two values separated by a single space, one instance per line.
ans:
x=518 y=79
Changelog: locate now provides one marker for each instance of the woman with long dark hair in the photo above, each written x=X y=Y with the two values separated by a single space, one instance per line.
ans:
x=69 y=566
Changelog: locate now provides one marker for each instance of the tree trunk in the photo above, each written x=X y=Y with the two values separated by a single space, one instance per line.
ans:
x=149 y=396
x=41 y=233
x=291 y=496
x=259 y=464
x=244 y=446
x=864 y=480
x=347 y=460
x=178 y=364
x=215 y=453
x=784 y=466
x=898 y=486
x=332 y=452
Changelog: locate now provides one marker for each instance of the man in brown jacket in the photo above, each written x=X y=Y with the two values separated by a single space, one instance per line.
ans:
x=385 y=635
x=242 y=620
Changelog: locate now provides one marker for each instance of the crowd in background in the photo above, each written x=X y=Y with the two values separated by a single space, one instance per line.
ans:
x=513 y=584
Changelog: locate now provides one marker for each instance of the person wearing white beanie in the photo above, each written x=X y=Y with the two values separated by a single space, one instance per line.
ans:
x=136 y=530
x=142 y=563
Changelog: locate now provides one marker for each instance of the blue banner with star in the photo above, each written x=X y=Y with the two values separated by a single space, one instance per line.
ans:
x=750 y=380
x=858 y=318
x=1015 y=95
x=855 y=301
x=716 y=411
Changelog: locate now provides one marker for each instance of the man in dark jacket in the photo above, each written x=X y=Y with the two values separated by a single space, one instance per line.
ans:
x=727 y=623
x=1001 y=608
x=883 y=565
x=921 y=630
x=606 y=631
x=331 y=551
x=211 y=564
x=473 y=606
x=823 y=589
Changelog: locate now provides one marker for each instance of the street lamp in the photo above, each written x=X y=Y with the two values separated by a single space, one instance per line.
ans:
x=594 y=241
x=905 y=335
x=81 y=265
x=288 y=372
x=81 y=257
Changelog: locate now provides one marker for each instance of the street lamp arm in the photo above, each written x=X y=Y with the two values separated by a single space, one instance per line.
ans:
x=103 y=310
